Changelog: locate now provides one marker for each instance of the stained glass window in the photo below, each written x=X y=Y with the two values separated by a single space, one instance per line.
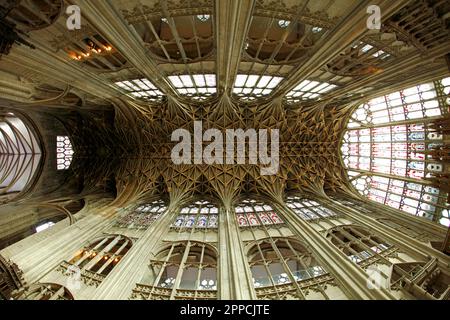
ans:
x=199 y=215
x=386 y=149
x=251 y=213
x=308 y=209
x=143 y=216
x=64 y=152
x=398 y=150
x=414 y=198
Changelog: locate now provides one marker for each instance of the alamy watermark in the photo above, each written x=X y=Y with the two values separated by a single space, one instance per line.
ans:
x=251 y=140
x=73 y=282
x=374 y=20
x=73 y=22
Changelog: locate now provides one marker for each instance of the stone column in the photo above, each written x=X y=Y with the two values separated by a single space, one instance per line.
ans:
x=350 y=277
x=235 y=278
x=415 y=248
x=121 y=281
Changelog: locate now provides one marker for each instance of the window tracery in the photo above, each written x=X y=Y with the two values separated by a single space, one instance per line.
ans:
x=271 y=262
x=309 y=209
x=64 y=152
x=20 y=154
x=387 y=149
x=308 y=90
x=183 y=270
x=284 y=23
x=253 y=86
x=143 y=216
x=201 y=215
x=203 y=17
x=251 y=213
x=283 y=266
x=96 y=260
x=410 y=229
x=414 y=198
x=196 y=86
x=141 y=88
x=358 y=243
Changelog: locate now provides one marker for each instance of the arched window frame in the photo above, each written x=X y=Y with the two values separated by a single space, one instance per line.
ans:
x=197 y=216
x=253 y=213
x=399 y=124
x=98 y=258
x=142 y=216
x=20 y=154
x=174 y=266
x=270 y=254
x=308 y=209
x=349 y=237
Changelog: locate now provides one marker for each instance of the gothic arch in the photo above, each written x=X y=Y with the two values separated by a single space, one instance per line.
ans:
x=21 y=155
x=181 y=270
x=283 y=268
x=98 y=258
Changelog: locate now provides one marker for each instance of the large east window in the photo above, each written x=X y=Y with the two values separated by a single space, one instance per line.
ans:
x=387 y=149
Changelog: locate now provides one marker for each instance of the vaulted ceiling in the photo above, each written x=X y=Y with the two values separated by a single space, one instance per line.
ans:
x=297 y=66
